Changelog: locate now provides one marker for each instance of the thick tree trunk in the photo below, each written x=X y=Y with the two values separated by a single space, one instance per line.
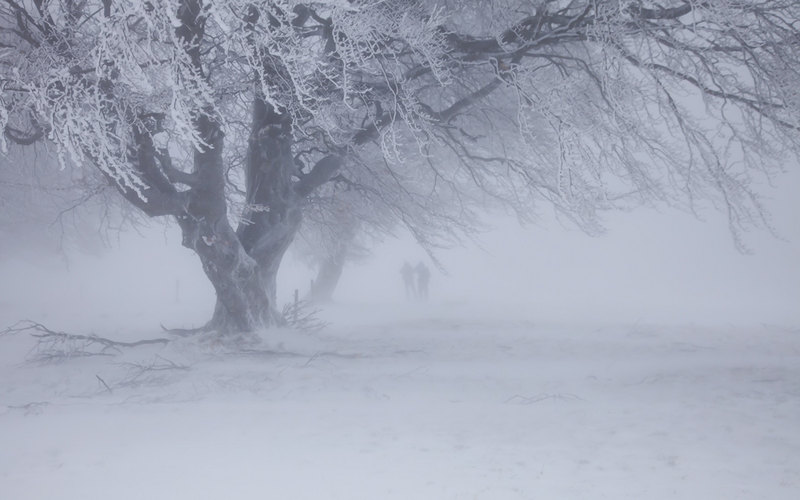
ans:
x=272 y=246
x=246 y=283
x=274 y=211
x=242 y=270
x=242 y=265
x=243 y=304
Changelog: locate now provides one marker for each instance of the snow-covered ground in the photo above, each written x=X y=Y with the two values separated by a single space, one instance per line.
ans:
x=655 y=363
x=413 y=402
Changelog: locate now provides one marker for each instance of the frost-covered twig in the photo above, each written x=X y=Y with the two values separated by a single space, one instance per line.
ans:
x=55 y=345
x=158 y=364
x=301 y=315
x=104 y=383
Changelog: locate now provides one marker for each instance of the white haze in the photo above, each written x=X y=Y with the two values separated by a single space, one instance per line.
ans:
x=654 y=362
x=661 y=266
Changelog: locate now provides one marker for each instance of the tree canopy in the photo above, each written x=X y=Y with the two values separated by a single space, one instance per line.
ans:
x=231 y=116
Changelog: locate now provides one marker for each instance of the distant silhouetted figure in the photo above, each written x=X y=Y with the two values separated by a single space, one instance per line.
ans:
x=423 y=277
x=408 y=278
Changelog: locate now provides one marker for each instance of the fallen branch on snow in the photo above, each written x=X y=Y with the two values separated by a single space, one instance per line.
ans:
x=139 y=371
x=54 y=345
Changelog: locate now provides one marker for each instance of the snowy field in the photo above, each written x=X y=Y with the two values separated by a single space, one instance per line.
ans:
x=413 y=403
x=660 y=360
x=626 y=367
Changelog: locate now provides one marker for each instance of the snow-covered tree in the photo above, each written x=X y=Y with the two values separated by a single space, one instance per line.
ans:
x=230 y=115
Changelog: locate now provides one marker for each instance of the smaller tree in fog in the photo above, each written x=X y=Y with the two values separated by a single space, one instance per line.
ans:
x=332 y=236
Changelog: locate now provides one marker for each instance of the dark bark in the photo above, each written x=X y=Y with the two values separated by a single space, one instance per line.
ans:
x=328 y=275
x=243 y=264
x=243 y=303
x=274 y=210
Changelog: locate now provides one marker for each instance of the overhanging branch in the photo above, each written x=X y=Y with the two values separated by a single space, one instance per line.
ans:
x=324 y=170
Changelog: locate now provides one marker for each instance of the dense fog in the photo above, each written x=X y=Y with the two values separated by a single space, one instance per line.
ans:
x=392 y=249
x=655 y=361
x=660 y=266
